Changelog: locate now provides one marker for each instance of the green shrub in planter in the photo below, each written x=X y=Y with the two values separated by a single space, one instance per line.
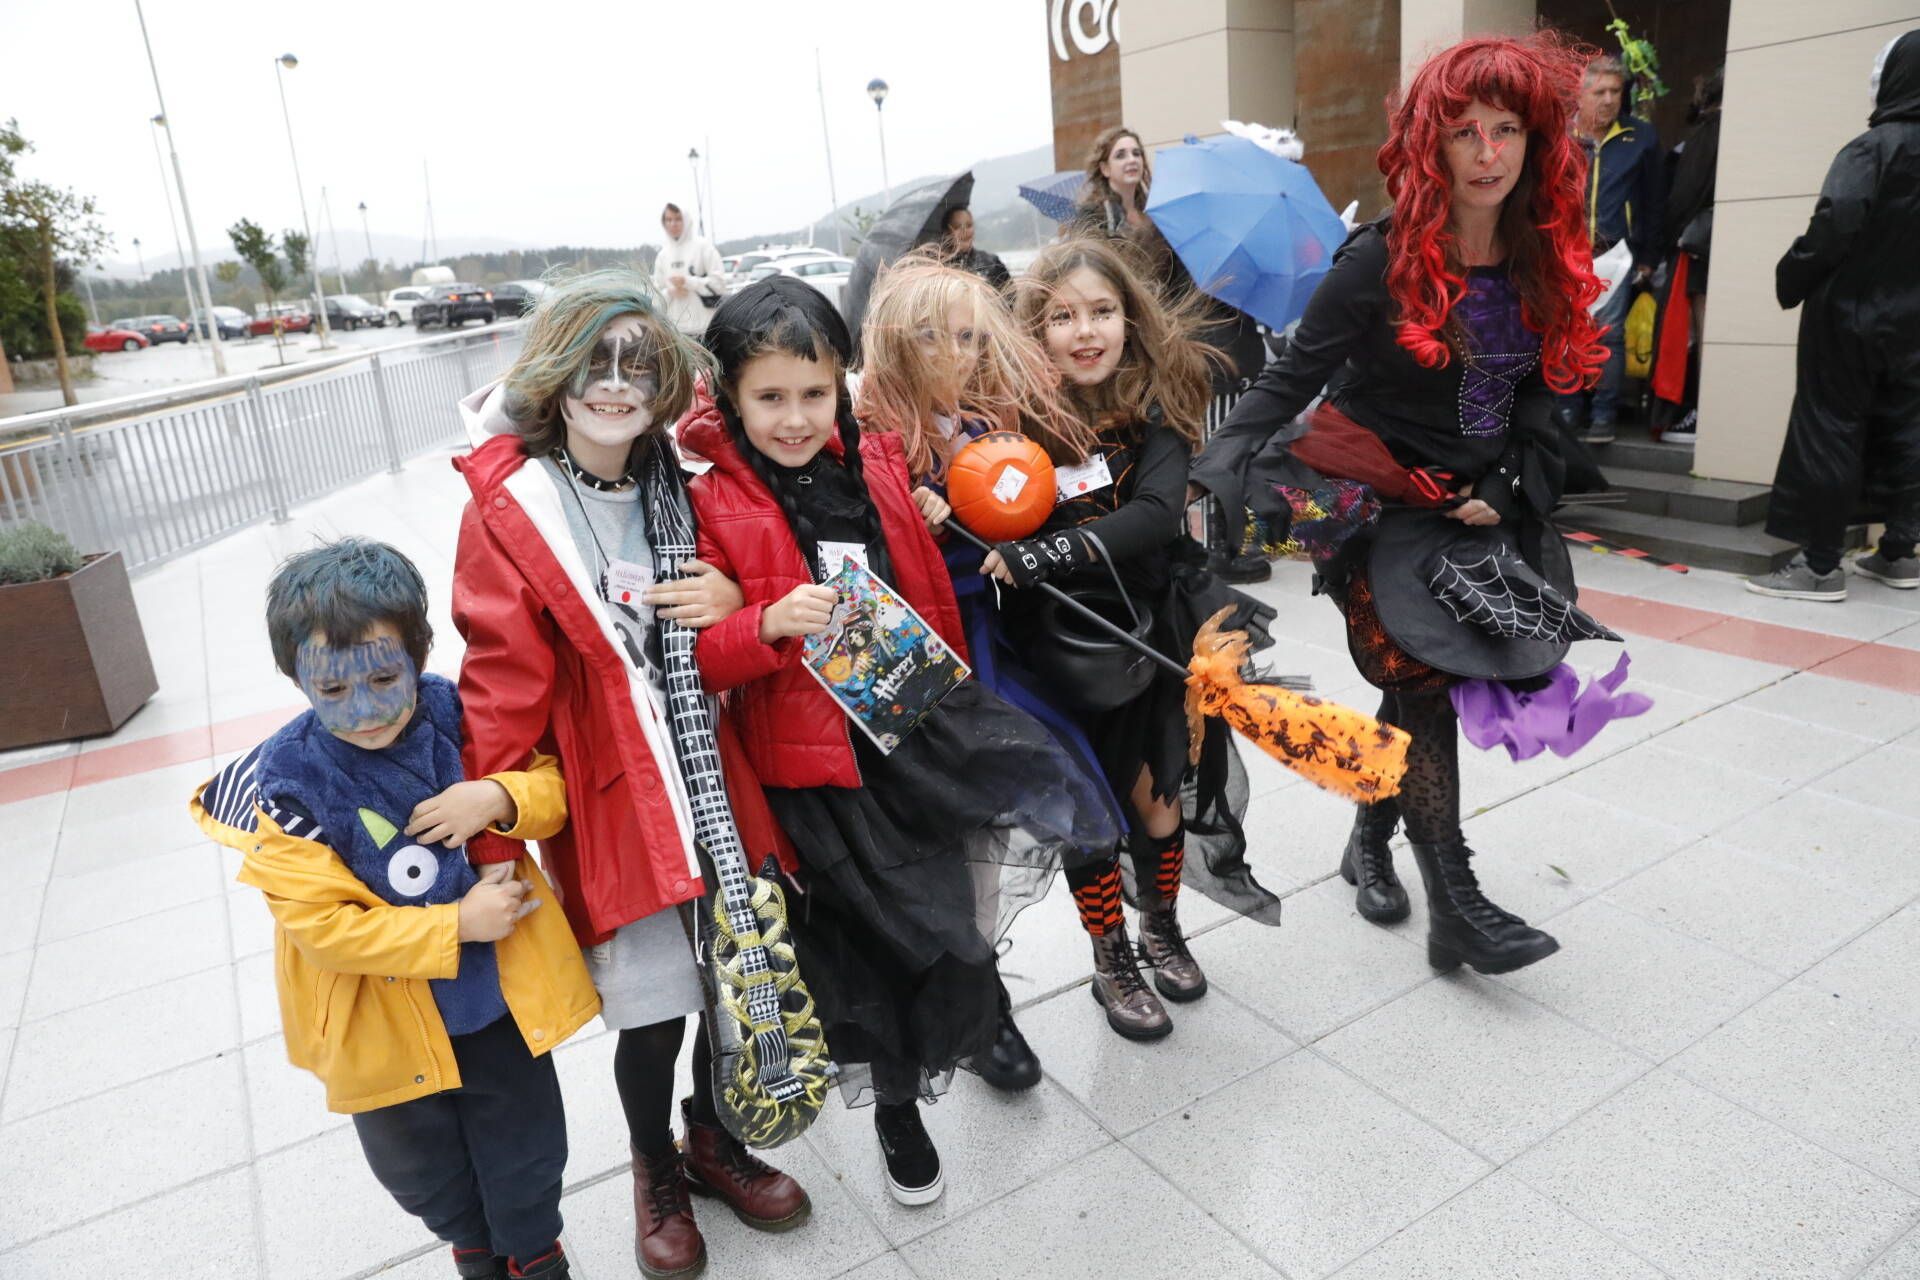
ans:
x=34 y=553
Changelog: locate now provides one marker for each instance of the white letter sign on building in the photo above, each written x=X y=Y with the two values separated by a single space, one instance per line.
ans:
x=1089 y=26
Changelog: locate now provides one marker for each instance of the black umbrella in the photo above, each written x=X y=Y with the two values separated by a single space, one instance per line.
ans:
x=915 y=218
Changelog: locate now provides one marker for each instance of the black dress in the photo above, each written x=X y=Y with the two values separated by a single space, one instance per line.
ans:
x=1139 y=521
x=912 y=877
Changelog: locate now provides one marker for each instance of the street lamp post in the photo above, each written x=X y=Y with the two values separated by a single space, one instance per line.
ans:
x=877 y=90
x=92 y=306
x=699 y=202
x=288 y=61
x=369 y=235
x=173 y=222
x=186 y=214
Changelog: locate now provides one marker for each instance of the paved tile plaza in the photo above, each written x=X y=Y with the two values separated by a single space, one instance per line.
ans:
x=1716 y=1077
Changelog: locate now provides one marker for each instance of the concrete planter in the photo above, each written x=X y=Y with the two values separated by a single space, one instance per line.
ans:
x=31 y=375
x=73 y=659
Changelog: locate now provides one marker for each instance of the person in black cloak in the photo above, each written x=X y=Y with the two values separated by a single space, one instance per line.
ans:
x=1854 y=431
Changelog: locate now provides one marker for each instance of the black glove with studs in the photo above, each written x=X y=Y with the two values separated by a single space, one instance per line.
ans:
x=1051 y=555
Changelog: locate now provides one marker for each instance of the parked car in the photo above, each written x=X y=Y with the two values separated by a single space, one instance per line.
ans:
x=744 y=265
x=156 y=329
x=232 y=322
x=349 y=311
x=453 y=305
x=114 y=338
x=823 y=273
x=399 y=303
x=517 y=297
x=292 y=317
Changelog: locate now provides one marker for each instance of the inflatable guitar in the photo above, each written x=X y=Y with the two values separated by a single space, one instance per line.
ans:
x=770 y=1066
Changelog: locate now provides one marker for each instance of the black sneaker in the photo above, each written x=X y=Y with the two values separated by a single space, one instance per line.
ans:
x=913 y=1166
x=1249 y=566
x=478 y=1264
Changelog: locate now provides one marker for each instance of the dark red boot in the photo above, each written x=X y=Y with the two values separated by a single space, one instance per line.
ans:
x=666 y=1241
x=719 y=1165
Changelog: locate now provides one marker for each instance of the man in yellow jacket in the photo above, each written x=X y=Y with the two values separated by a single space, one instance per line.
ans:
x=426 y=996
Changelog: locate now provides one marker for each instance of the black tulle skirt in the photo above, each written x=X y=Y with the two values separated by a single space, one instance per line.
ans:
x=911 y=879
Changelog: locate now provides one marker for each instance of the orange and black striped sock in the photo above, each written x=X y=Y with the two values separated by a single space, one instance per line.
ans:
x=1166 y=859
x=1096 y=893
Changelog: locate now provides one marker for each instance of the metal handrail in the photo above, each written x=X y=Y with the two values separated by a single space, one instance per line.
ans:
x=122 y=406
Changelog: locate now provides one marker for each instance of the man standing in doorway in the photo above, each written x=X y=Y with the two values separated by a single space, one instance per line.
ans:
x=1623 y=199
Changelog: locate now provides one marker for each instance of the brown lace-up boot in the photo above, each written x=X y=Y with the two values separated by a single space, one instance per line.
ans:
x=1132 y=1009
x=719 y=1165
x=666 y=1241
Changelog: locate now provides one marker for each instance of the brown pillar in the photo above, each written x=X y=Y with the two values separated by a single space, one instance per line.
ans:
x=1346 y=61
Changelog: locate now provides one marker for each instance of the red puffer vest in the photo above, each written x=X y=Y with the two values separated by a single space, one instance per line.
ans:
x=794 y=734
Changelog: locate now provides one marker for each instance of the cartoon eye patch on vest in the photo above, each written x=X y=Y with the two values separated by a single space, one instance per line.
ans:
x=411 y=870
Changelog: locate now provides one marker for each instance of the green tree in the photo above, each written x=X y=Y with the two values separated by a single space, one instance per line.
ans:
x=256 y=249
x=43 y=225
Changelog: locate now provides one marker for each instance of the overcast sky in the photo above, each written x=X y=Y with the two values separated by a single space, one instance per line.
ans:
x=561 y=122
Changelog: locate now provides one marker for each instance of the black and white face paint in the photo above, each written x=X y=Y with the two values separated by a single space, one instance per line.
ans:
x=610 y=401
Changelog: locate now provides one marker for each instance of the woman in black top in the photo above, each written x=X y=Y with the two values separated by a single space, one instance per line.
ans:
x=1439 y=335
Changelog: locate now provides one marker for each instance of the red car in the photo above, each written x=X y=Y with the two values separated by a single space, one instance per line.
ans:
x=290 y=322
x=114 y=340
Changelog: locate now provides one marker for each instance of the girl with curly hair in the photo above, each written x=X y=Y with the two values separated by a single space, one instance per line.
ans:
x=1440 y=336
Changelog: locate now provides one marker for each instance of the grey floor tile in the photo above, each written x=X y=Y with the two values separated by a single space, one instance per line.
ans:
x=14 y=968
x=126 y=957
x=1902 y=1262
x=20 y=917
x=1049 y=949
x=1700 y=672
x=1883 y=779
x=597 y=1140
x=1875 y=970
x=836 y=1237
x=81 y=904
x=989 y=1144
x=251 y=922
x=1499 y=1227
x=1790 y=751
x=1844 y=705
x=1084 y=1220
x=259 y=998
x=1780 y=917
x=1707 y=1191
x=1841 y=1076
x=1295 y=836
x=1544 y=852
x=1647 y=986
x=320 y=1201
x=1677 y=788
x=1495 y=1071
x=101 y=1046
x=1867 y=852
x=1126 y=1085
x=113 y=823
x=29 y=832
x=201 y=1232
x=288 y=1104
x=79 y=1161
x=887 y=1266
x=1306 y=1163
x=1322 y=967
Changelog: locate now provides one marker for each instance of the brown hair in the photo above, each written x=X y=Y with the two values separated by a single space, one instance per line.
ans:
x=1164 y=365
x=1098 y=190
x=1013 y=384
x=560 y=339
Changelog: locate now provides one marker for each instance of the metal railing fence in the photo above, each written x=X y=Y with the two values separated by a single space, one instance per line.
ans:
x=166 y=473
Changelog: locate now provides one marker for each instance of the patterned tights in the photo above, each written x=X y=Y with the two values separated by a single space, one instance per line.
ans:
x=1429 y=796
x=1157 y=864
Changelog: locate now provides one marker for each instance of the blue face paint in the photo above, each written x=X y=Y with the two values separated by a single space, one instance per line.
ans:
x=363 y=694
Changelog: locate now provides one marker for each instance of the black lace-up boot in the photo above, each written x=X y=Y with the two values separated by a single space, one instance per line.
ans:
x=1011 y=1064
x=1463 y=926
x=1367 y=864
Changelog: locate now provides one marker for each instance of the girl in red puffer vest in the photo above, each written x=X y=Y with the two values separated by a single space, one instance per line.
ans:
x=896 y=937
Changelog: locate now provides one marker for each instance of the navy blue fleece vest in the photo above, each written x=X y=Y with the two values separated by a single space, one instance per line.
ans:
x=363 y=800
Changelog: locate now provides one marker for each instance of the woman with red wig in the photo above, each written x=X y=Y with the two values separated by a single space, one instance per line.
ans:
x=1421 y=484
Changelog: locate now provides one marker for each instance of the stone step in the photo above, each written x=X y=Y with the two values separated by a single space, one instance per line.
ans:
x=1661 y=493
x=1736 y=548
x=1633 y=450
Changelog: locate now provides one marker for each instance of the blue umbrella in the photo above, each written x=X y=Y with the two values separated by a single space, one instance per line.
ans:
x=1253 y=229
x=1054 y=195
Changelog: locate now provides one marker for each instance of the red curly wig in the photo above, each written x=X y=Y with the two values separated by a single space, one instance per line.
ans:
x=1542 y=224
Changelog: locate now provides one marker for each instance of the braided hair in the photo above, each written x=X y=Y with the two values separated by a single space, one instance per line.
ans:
x=784 y=314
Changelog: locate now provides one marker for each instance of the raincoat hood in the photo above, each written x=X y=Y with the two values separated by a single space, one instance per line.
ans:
x=484 y=414
x=1897 y=74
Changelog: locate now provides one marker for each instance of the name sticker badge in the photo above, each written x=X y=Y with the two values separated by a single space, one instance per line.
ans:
x=1081 y=479
x=627 y=581
x=835 y=554
x=1009 y=485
